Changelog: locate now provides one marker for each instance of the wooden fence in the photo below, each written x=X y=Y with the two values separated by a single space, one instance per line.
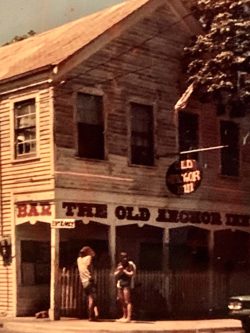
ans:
x=157 y=295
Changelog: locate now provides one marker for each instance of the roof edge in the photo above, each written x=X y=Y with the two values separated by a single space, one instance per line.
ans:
x=24 y=76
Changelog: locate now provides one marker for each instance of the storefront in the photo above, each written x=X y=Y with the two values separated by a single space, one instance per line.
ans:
x=158 y=239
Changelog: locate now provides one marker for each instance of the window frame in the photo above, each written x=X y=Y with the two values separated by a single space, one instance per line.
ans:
x=32 y=155
x=129 y=118
x=98 y=93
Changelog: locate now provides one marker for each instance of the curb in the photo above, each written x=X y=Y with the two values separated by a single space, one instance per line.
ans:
x=113 y=327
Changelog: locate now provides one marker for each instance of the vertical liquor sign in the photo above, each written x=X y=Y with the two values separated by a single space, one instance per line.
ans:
x=183 y=177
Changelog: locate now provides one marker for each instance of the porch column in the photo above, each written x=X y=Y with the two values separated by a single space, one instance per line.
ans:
x=211 y=270
x=55 y=303
x=112 y=253
x=165 y=267
x=165 y=264
x=112 y=243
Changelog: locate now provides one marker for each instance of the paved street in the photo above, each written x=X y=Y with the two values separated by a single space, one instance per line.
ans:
x=32 y=325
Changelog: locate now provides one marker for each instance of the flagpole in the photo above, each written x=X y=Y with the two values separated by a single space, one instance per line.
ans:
x=202 y=149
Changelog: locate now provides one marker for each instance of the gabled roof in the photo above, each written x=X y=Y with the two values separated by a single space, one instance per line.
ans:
x=60 y=44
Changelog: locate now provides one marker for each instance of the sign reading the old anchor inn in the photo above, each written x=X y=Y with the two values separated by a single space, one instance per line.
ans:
x=183 y=177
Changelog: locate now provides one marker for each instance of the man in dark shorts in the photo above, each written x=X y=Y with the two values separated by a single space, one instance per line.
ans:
x=84 y=263
x=124 y=273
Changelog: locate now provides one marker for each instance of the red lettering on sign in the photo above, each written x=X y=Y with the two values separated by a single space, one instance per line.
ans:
x=21 y=210
x=46 y=209
x=33 y=210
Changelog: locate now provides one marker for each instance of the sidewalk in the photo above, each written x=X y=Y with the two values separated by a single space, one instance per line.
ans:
x=72 y=325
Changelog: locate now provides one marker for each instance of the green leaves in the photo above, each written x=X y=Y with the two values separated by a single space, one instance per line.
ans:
x=215 y=58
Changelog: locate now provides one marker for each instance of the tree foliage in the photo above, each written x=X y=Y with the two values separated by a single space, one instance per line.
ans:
x=218 y=61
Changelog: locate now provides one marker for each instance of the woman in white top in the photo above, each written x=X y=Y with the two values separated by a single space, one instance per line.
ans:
x=84 y=263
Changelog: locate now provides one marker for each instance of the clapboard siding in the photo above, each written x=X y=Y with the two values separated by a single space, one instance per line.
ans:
x=22 y=177
x=130 y=69
x=127 y=69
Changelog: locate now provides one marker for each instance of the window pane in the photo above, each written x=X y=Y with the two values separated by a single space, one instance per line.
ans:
x=26 y=121
x=229 y=156
x=188 y=134
x=142 y=139
x=89 y=109
x=90 y=141
x=25 y=107
x=90 y=126
x=25 y=127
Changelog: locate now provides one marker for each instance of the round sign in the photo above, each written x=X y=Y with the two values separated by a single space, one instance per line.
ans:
x=183 y=177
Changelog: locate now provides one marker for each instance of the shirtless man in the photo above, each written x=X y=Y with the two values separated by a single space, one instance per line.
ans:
x=124 y=273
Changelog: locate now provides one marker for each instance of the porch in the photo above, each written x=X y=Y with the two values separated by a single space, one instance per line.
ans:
x=157 y=295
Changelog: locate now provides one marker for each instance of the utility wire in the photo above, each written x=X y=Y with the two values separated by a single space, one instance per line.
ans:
x=118 y=56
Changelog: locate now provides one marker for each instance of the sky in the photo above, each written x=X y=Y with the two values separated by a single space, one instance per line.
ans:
x=20 y=16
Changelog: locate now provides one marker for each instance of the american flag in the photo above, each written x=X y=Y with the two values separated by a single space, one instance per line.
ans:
x=183 y=100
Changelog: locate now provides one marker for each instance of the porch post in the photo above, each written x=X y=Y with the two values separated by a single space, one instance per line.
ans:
x=112 y=243
x=54 y=311
x=112 y=252
x=165 y=264
x=211 y=270
x=165 y=267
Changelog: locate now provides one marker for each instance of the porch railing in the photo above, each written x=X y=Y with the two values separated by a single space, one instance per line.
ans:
x=157 y=295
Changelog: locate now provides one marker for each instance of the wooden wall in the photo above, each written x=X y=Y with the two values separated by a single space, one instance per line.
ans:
x=146 y=69
x=128 y=69
x=22 y=180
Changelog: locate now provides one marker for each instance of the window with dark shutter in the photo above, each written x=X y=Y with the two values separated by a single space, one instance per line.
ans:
x=90 y=126
x=229 y=133
x=142 y=138
x=188 y=134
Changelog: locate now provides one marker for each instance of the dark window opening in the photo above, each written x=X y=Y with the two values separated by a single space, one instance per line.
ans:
x=142 y=137
x=188 y=134
x=151 y=255
x=90 y=126
x=25 y=128
x=231 y=250
x=188 y=249
x=229 y=132
x=35 y=262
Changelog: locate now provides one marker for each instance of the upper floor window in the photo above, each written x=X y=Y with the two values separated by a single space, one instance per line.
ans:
x=90 y=126
x=142 y=137
x=25 y=128
x=188 y=134
x=229 y=133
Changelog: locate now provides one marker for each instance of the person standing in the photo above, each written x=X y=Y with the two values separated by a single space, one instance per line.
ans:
x=124 y=273
x=85 y=268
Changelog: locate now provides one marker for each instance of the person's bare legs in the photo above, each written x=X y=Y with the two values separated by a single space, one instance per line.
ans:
x=92 y=308
x=120 y=295
x=96 y=312
x=127 y=303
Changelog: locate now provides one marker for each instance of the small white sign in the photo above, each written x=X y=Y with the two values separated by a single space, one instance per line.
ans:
x=63 y=223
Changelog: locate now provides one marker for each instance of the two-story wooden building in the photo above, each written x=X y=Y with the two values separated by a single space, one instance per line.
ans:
x=88 y=133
